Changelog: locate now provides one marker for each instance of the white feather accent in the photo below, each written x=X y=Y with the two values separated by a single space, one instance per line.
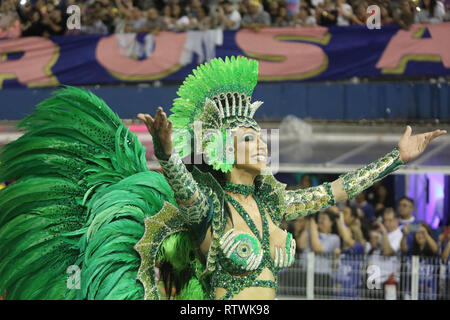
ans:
x=254 y=106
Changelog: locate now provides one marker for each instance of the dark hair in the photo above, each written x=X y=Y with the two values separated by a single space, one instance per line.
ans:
x=390 y=209
x=426 y=250
x=353 y=209
x=433 y=4
x=407 y=199
x=332 y=218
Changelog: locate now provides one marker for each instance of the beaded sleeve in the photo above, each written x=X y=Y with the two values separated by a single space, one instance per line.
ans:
x=356 y=181
x=289 y=204
x=185 y=187
x=307 y=201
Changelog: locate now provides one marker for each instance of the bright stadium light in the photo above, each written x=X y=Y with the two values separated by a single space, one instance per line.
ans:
x=23 y=2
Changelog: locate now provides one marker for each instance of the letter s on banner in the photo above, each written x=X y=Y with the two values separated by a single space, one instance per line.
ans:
x=374 y=20
x=282 y=59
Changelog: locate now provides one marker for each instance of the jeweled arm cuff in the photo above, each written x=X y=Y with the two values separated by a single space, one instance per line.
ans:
x=197 y=210
x=356 y=181
x=307 y=201
x=179 y=178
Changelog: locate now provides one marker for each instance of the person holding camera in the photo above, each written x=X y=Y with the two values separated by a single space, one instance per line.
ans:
x=422 y=243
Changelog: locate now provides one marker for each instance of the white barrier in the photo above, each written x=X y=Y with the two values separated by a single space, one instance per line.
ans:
x=363 y=277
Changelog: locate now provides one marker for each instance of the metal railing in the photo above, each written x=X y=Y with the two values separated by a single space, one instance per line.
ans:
x=362 y=277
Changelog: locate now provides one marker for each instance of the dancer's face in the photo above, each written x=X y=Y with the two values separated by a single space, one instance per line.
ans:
x=250 y=151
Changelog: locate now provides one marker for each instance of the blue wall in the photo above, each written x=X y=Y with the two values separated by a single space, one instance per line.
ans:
x=318 y=101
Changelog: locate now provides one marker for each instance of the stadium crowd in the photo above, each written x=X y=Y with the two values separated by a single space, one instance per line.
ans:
x=367 y=228
x=366 y=225
x=48 y=17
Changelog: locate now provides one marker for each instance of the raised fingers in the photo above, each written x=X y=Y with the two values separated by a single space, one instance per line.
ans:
x=163 y=120
x=158 y=118
x=437 y=133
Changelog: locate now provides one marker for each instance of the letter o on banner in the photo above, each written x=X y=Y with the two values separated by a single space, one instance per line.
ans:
x=163 y=61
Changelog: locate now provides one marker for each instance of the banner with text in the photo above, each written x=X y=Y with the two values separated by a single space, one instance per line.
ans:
x=285 y=54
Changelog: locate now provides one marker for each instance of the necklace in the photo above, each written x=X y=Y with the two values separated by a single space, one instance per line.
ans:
x=239 y=188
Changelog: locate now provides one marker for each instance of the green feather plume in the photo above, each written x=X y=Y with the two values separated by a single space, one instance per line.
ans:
x=82 y=192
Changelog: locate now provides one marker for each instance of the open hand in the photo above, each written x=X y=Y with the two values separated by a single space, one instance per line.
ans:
x=411 y=147
x=160 y=128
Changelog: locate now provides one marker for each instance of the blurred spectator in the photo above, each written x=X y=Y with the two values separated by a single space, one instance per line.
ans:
x=386 y=17
x=378 y=197
x=34 y=26
x=193 y=9
x=368 y=210
x=405 y=208
x=344 y=220
x=423 y=244
x=316 y=3
x=297 y=227
x=305 y=181
x=44 y=18
x=137 y=22
x=243 y=7
x=373 y=245
x=201 y=21
x=167 y=17
x=444 y=245
x=345 y=14
x=154 y=22
x=272 y=10
x=431 y=11
x=353 y=223
x=391 y=233
x=293 y=7
x=283 y=19
x=9 y=20
x=303 y=18
x=54 y=23
x=319 y=237
x=256 y=18
x=361 y=12
x=145 y=5
x=178 y=20
x=229 y=18
x=326 y=13
x=391 y=237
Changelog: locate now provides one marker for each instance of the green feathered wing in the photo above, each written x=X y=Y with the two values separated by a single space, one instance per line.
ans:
x=70 y=222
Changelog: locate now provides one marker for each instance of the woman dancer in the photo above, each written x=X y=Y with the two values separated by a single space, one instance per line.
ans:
x=85 y=202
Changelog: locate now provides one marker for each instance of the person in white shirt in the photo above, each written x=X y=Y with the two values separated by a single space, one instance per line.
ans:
x=229 y=17
x=391 y=237
x=405 y=208
x=431 y=11
x=302 y=18
x=315 y=3
x=345 y=13
x=391 y=233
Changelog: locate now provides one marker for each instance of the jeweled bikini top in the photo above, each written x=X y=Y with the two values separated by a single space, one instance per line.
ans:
x=248 y=254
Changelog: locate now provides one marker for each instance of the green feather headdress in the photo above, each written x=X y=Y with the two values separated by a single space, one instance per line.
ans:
x=211 y=102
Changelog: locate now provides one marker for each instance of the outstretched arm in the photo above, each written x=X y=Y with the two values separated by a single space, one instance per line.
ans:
x=348 y=185
x=193 y=202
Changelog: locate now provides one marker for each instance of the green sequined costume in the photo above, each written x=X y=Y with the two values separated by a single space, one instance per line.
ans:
x=84 y=199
